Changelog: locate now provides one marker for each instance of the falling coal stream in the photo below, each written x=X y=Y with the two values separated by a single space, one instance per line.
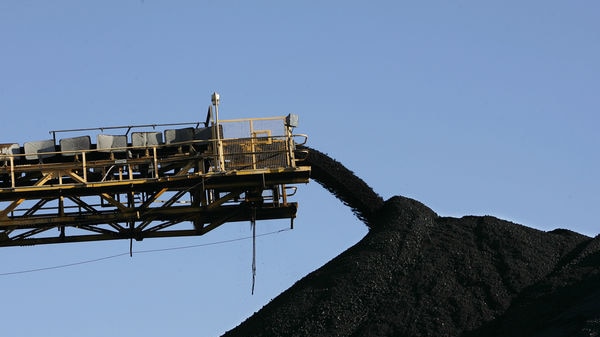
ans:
x=342 y=183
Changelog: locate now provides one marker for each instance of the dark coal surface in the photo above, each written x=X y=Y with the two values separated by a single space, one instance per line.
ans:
x=342 y=183
x=418 y=274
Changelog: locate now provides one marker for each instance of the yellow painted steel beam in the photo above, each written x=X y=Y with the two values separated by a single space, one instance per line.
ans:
x=114 y=202
x=4 y=213
x=95 y=237
x=155 y=214
x=229 y=196
x=233 y=180
x=76 y=177
x=215 y=219
x=268 y=211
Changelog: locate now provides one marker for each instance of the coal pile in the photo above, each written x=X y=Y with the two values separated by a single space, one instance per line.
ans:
x=418 y=274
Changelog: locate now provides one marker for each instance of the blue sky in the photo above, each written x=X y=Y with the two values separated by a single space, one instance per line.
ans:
x=471 y=107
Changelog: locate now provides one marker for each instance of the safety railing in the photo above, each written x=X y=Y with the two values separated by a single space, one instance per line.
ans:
x=243 y=144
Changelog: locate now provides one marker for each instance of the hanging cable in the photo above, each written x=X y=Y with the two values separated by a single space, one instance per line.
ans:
x=25 y=271
x=253 y=225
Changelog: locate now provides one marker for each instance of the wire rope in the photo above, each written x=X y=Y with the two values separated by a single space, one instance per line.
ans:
x=33 y=270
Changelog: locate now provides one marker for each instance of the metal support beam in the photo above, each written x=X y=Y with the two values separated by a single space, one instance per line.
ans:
x=183 y=188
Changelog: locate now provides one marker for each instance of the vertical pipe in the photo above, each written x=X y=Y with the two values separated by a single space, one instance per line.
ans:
x=61 y=213
x=61 y=206
x=84 y=163
x=12 y=171
x=155 y=162
x=252 y=144
x=290 y=146
x=253 y=225
x=284 y=194
x=221 y=160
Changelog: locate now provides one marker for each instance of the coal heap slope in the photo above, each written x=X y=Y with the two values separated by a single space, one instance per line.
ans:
x=565 y=303
x=418 y=274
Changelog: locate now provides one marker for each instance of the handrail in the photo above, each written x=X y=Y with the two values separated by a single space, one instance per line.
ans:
x=87 y=160
x=238 y=120
x=305 y=136
x=102 y=128
x=13 y=166
x=122 y=149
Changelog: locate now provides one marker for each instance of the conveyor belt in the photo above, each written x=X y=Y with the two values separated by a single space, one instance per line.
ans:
x=146 y=188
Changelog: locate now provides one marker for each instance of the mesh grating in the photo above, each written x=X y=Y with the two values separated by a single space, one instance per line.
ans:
x=254 y=153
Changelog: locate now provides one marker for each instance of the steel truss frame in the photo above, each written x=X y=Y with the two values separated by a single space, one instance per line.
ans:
x=183 y=193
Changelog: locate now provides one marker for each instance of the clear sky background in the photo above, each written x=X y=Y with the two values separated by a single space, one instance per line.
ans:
x=471 y=107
